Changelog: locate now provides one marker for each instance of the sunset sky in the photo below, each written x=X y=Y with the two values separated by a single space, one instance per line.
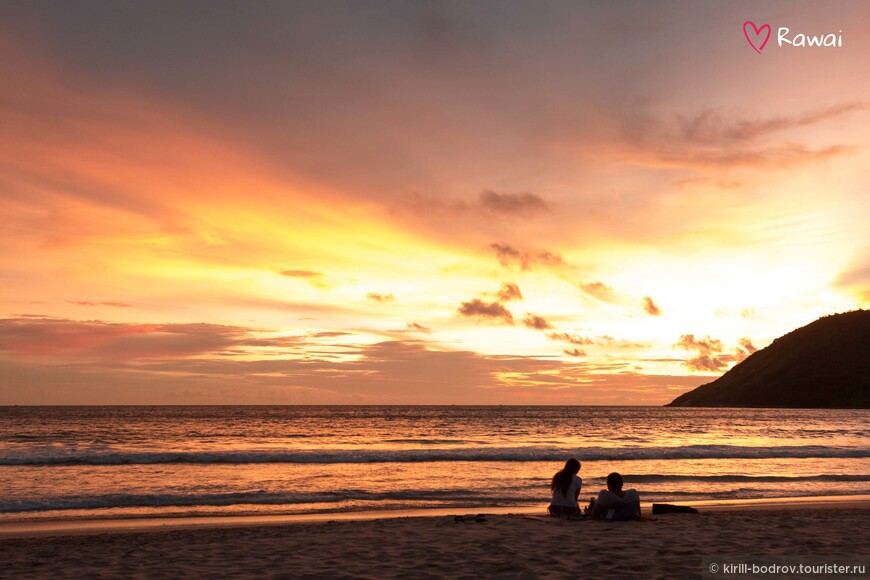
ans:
x=429 y=202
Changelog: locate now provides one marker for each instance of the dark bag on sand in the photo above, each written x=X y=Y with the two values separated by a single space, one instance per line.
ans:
x=666 y=508
x=622 y=511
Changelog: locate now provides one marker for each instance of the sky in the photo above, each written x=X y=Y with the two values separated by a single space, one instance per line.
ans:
x=440 y=202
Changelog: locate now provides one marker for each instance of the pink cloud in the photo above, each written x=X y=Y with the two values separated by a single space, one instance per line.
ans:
x=121 y=341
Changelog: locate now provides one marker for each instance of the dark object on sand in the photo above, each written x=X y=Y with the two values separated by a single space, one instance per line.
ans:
x=823 y=365
x=666 y=508
x=479 y=518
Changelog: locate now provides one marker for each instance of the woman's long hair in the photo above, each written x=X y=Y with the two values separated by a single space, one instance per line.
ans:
x=562 y=479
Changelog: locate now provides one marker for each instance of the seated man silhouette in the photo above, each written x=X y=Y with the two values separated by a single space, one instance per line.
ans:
x=614 y=504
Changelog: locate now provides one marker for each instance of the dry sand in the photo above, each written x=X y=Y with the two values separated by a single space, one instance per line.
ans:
x=504 y=546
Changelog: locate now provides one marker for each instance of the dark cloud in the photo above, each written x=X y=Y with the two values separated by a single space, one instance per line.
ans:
x=510 y=257
x=380 y=297
x=575 y=352
x=509 y=292
x=493 y=310
x=569 y=338
x=516 y=204
x=650 y=307
x=536 y=322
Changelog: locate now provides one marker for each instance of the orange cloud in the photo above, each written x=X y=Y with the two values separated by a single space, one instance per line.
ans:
x=537 y=322
x=744 y=349
x=709 y=358
x=491 y=310
x=376 y=297
x=509 y=292
x=510 y=257
x=650 y=307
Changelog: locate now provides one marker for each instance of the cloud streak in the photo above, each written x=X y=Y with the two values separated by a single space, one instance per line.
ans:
x=106 y=340
x=569 y=338
x=599 y=291
x=101 y=303
x=513 y=204
x=710 y=141
x=711 y=127
x=301 y=274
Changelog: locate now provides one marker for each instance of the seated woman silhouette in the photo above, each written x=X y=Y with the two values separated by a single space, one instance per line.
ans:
x=615 y=504
x=566 y=488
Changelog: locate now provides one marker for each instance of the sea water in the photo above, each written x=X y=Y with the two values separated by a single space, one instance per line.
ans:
x=116 y=462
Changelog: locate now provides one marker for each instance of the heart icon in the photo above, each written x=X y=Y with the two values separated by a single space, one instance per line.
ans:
x=757 y=30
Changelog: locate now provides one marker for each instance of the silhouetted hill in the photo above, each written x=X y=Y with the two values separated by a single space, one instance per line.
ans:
x=825 y=364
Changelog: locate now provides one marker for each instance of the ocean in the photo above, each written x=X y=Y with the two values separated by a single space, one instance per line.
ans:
x=121 y=462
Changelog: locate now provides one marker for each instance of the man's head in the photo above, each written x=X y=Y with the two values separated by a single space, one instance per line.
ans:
x=614 y=482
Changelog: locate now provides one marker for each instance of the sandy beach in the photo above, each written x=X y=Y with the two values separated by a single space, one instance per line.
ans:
x=504 y=545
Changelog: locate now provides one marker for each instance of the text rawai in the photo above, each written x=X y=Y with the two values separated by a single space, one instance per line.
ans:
x=782 y=37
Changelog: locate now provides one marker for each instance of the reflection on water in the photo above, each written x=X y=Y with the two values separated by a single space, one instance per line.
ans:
x=204 y=460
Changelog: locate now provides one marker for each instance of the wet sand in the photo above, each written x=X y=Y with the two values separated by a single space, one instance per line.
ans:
x=435 y=546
